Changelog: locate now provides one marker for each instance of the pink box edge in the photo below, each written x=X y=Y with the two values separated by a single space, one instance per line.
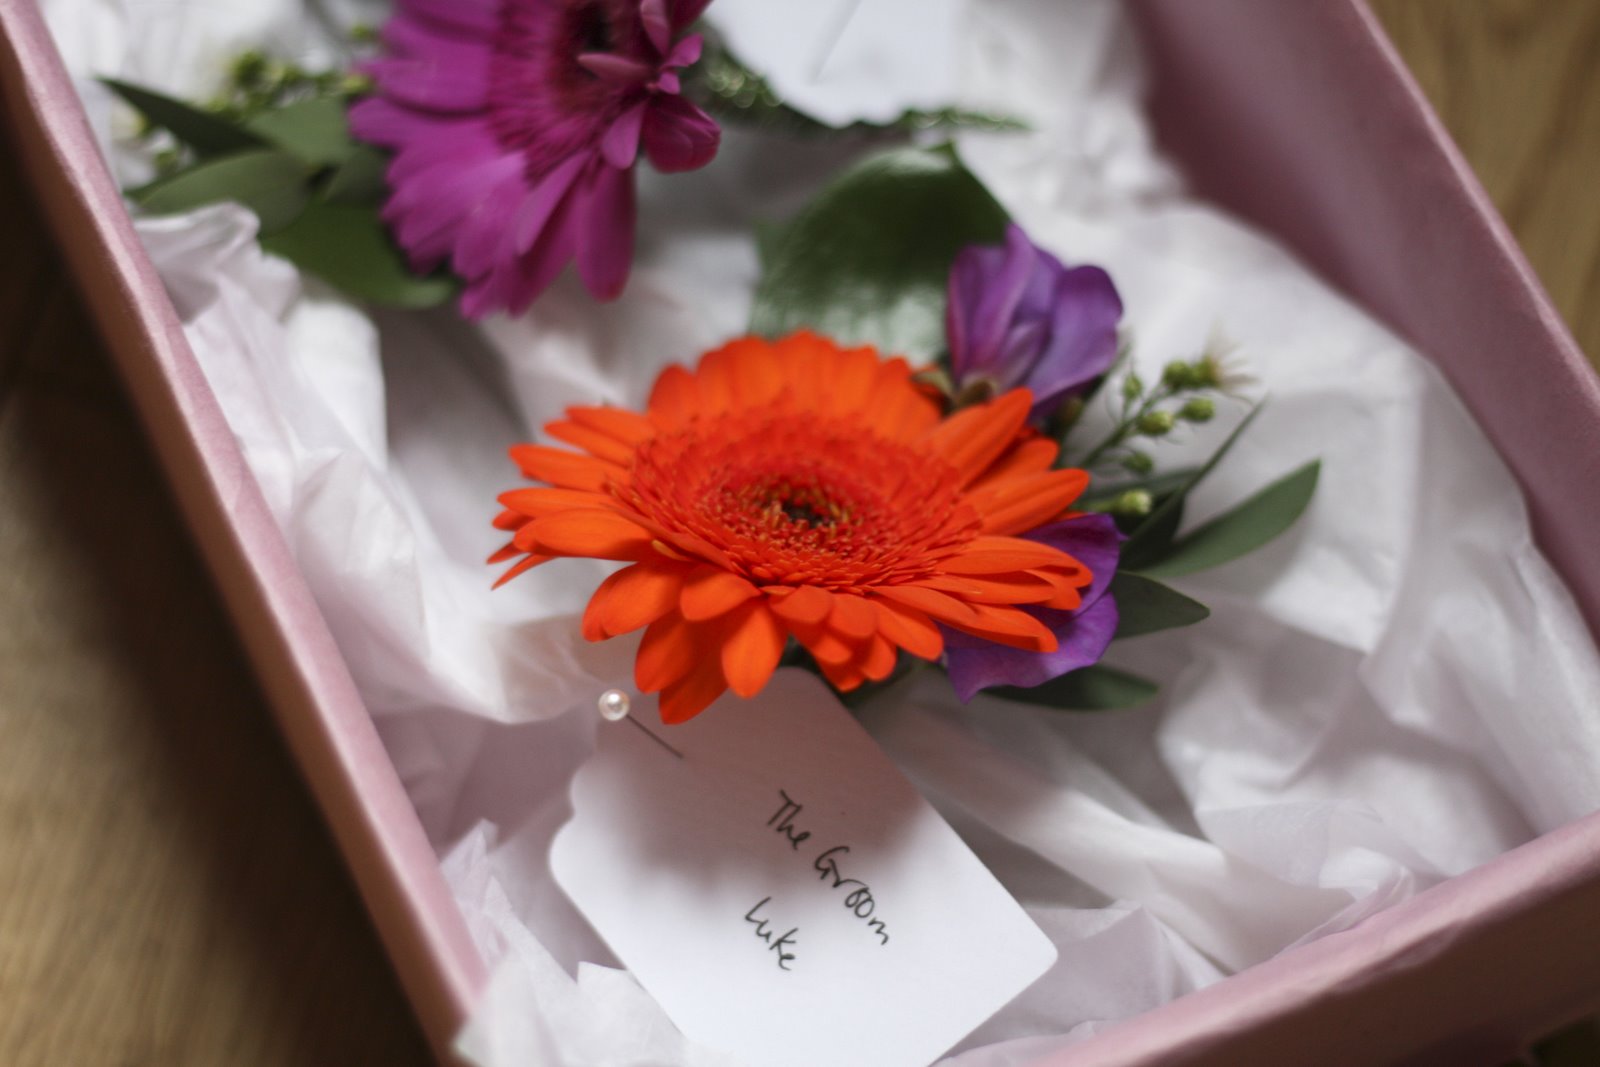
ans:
x=315 y=700
x=334 y=739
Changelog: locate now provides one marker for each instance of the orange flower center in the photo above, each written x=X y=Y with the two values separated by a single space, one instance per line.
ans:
x=794 y=499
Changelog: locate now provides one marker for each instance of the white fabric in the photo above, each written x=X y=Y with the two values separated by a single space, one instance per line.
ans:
x=1395 y=692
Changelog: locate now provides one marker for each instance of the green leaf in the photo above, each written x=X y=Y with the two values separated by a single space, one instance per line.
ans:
x=207 y=134
x=359 y=179
x=265 y=180
x=1154 y=537
x=1145 y=606
x=1151 y=536
x=1097 y=688
x=1243 y=529
x=314 y=131
x=348 y=247
x=867 y=261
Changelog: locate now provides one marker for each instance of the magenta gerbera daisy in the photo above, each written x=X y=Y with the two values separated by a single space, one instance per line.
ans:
x=516 y=125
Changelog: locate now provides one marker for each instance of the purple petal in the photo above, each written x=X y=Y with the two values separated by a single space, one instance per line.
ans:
x=1084 y=314
x=987 y=283
x=1091 y=539
x=620 y=145
x=1081 y=635
x=605 y=221
x=679 y=136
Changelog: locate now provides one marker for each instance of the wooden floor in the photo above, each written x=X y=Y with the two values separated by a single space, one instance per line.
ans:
x=168 y=895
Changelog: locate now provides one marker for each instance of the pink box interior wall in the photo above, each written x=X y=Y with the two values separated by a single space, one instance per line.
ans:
x=1298 y=116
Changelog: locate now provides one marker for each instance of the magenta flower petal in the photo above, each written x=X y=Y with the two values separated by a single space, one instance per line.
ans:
x=605 y=234
x=1016 y=316
x=657 y=24
x=678 y=136
x=1081 y=635
x=515 y=126
x=684 y=12
x=472 y=17
x=620 y=145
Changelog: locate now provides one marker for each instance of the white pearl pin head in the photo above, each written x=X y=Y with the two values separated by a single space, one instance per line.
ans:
x=614 y=705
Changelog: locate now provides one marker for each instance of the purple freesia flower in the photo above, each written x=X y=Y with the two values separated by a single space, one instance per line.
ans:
x=1082 y=634
x=516 y=125
x=1017 y=317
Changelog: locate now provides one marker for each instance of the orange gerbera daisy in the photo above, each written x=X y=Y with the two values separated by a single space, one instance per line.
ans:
x=797 y=489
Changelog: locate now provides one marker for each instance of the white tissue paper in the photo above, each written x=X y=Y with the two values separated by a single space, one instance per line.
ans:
x=1396 y=691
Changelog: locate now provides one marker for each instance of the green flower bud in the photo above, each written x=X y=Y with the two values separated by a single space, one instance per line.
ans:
x=1155 y=423
x=1178 y=376
x=248 y=69
x=1132 y=387
x=1197 y=409
x=1139 y=463
x=1133 y=504
x=1208 y=373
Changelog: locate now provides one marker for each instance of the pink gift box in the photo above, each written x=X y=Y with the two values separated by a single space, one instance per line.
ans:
x=1299 y=117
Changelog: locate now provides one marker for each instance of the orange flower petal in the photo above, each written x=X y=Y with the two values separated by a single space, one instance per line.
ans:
x=934 y=604
x=675 y=398
x=569 y=470
x=899 y=410
x=692 y=694
x=755 y=375
x=853 y=617
x=1009 y=626
x=539 y=502
x=843 y=677
x=592 y=534
x=1001 y=555
x=667 y=653
x=910 y=629
x=973 y=438
x=752 y=649
x=592 y=441
x=628 y=427
x=1067 y=598
x=1022 y=504
x=1021 y=588
x=715 y=377
x=527 y=563
x=709 y=592
x=880 y=660
x=852 y=377
x=1031 y=456
x=632 y=597
x=826 y=646
x=806 y=606
x=806 y=362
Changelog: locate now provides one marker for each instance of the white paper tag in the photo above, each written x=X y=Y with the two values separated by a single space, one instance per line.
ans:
x=784 y=892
